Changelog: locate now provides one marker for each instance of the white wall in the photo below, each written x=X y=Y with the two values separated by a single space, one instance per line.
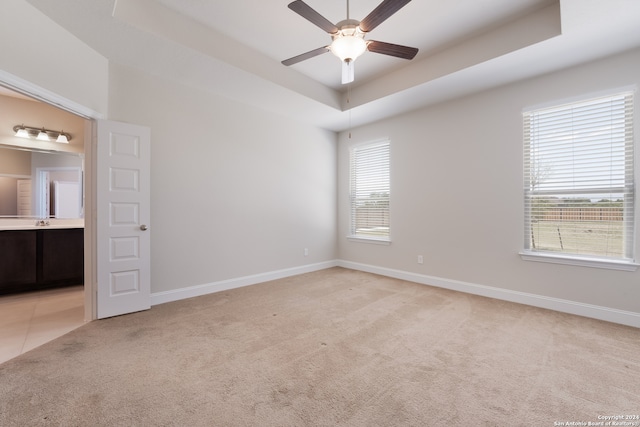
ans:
x=39 y=51
x=249 y=198
x=14 y=162
x=235 y=191
x=244 y=201
x=457 y=192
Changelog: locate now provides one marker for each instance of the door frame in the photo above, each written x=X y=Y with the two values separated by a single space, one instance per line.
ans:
x=90 y=155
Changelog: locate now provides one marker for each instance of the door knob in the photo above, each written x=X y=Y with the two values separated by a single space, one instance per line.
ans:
x=143 y=227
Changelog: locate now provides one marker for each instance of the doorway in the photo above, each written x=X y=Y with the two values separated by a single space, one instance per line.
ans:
x=116 y=184
x=57 y=193
x=85 y=133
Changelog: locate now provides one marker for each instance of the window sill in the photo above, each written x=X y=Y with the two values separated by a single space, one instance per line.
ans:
x=579 y=261
x=374 y=240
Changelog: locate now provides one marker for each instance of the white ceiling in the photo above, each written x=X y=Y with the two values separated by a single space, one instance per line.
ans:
x=279 y=33
x=234 y=48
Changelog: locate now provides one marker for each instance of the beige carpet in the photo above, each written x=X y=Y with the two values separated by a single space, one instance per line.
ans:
x=334 y=347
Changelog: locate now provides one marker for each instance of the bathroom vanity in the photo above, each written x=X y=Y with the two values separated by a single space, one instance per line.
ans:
x=35 y=257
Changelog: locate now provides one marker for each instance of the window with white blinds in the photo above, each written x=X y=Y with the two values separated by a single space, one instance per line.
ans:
x=579 y=179
x=370 y=190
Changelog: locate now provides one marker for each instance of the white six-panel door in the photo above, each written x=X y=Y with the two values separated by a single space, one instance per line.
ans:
x=123 y=213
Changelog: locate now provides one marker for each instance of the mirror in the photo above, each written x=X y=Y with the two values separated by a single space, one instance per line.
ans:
x=40 y=185
x=40 y=179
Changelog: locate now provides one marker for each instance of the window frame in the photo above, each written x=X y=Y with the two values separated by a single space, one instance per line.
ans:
x=353 y=234
x=625 y=262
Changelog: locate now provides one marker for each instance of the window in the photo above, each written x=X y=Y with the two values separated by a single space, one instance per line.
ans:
x=579 y=180
x=370 y=191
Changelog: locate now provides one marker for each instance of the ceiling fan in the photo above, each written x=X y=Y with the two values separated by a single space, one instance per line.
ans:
x=348 y=36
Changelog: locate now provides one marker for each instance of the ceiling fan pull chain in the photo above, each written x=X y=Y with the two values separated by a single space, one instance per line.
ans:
x=349 y=106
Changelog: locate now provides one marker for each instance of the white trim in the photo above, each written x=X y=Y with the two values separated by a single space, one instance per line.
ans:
x=372 y=143
x=41 y=94
x=579 y=98
x=11 y=175
x=607 y=314
x=362 y=239
x=592 y=109
x=579 y=261
x=353 y=149
x=224 y=285
x=623 y=317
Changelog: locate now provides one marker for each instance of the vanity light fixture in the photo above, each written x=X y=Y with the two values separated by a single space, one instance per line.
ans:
x=41 y=134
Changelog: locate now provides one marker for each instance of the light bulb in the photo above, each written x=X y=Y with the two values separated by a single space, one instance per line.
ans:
x=62 y=138
x=42 y=136
x=348 y=47
x=22 y=133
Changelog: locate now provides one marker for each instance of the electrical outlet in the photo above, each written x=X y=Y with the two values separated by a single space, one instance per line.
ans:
x=420 y=259
x=306 y=251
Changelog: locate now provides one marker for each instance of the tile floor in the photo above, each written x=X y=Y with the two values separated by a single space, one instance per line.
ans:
x=31 y=319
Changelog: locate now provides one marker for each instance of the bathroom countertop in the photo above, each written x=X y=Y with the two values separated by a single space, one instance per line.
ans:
x=30 y=224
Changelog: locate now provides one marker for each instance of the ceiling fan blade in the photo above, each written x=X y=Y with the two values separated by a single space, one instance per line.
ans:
x=302 y=57
x=304 y=10
x=404 y=52
x=381 y=14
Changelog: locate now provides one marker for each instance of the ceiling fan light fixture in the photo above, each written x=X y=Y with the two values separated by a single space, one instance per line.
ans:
x=348 y=46
x=348 y=73
x=347 y=36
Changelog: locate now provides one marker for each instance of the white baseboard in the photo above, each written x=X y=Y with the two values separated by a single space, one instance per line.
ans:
x=628 y=318
x=224 y=285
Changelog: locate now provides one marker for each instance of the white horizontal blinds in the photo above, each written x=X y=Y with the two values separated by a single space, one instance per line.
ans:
x=370 y=190
x=578 y=173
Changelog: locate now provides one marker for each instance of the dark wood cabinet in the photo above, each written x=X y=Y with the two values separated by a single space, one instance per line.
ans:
x=17 y=259
x=62 y=255
x=40 y=259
